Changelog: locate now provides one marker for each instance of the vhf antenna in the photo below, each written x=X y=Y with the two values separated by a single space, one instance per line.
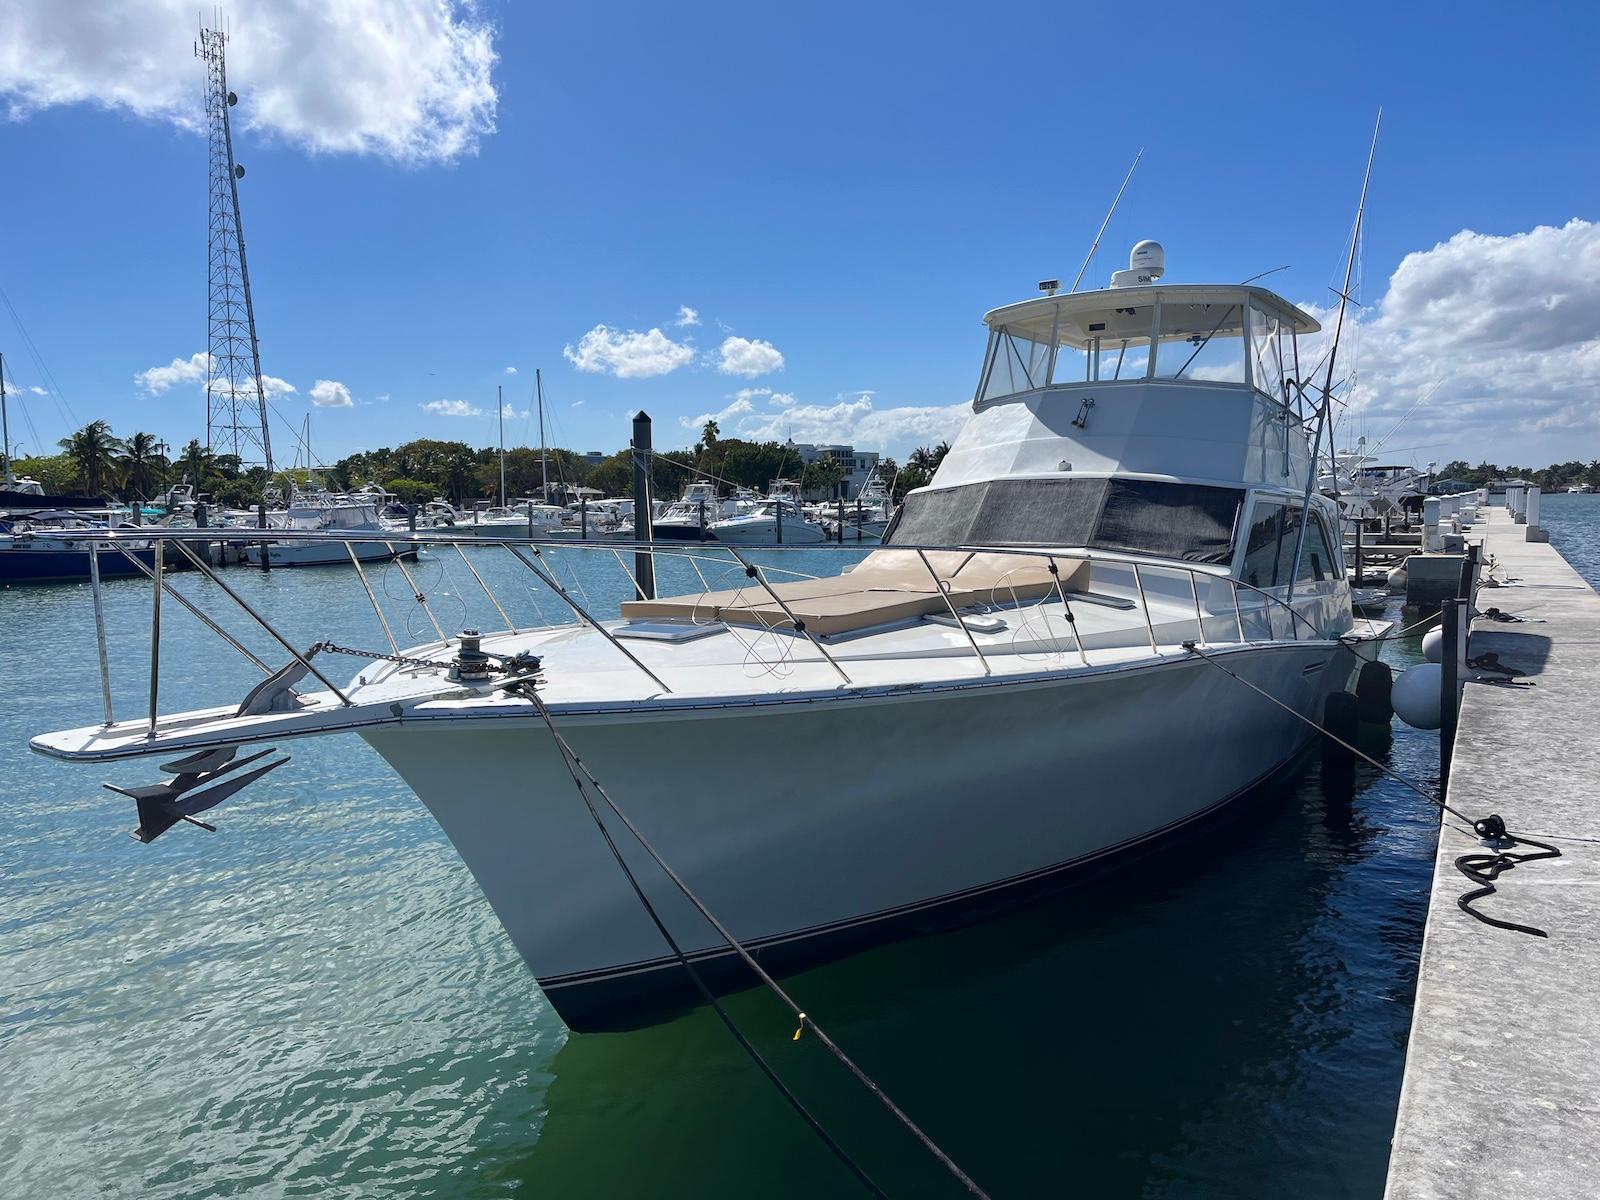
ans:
x=1109 y=214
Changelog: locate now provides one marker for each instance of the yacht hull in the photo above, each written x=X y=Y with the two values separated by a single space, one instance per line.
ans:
x=793 y=533
x=811 y=829
x=327 y=554
x=19 y=564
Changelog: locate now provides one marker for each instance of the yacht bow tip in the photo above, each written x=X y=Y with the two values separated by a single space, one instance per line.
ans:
x=162 y=805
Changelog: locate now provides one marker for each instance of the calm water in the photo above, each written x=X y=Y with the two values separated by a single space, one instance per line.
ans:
x=317 y=1002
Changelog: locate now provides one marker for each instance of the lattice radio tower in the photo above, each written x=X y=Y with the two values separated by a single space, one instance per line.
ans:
x=236 y=401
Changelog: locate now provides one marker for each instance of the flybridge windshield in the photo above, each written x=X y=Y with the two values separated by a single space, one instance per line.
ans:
x=1134 y=516
x=1215 y=335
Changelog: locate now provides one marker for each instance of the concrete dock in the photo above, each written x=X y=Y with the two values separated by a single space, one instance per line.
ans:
x=1501 y=1096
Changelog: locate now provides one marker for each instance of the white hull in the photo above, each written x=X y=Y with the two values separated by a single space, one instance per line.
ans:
x=325 y=554
x=765 y=533
x=924 y=800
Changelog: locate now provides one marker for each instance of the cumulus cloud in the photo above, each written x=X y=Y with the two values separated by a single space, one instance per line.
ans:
x=1491 y=343
x=855 y=420
x=749 y=357
x=157 y=380
x=408 y=80
x=330 y=393
x=452 y=408
x=687 y=316
x=511 y=370
x=628 y=354
x=741 y=405
x=37 y=390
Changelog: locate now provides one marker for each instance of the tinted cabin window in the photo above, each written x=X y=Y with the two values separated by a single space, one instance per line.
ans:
x=1270 y=546
x=1264 y=544
x=1139 y=516
x=1318 y=561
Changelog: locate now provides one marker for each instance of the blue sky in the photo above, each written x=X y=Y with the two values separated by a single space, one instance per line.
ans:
x=438 y=192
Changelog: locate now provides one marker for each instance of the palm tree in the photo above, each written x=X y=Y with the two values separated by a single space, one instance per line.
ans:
x=823 y=475
x=196 y=462
x=144 y=467
x=94 y=451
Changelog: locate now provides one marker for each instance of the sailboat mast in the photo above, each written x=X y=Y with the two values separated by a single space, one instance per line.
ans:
x=5 y=425
x=544 y=469
x=500 y=404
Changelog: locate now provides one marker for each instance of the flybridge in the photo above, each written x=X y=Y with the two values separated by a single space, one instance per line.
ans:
x=1213 y=333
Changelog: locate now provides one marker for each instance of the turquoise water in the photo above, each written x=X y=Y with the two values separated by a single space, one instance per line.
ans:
x=316 y=1001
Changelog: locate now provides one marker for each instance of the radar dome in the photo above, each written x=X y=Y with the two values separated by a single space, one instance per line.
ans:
x=1146 y=264
x=1148 y=258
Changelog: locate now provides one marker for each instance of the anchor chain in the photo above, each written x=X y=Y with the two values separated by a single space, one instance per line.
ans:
x=401 y=659
x=508 y=664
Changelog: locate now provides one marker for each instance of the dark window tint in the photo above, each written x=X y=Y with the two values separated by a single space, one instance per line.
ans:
x=1168 y=520
x=1271 y=543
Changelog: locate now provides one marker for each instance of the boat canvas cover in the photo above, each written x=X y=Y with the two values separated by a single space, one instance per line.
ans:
x=884 y=588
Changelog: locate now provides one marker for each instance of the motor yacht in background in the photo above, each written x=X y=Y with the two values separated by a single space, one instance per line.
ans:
x=1129 y=507
x=864 y=519
x=325 y=512
x=693 y=515
x=776 y=521
x=1370 y=491
x=54 y=545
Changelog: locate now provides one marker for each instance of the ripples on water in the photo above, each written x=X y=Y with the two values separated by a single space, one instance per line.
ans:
x=316 y=1001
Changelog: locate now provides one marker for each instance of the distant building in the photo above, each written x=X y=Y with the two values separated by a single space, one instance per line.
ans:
x=593 y=457
x=858 y=465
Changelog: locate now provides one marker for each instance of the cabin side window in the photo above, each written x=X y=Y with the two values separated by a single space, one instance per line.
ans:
x=1014 y=364
x=1263 y=545
x=1269 y=557
x=1266 y=353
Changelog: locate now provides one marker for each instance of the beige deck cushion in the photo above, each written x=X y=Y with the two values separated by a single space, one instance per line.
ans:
x=886 y=586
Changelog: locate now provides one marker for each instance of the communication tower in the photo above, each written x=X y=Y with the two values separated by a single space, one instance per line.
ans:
x=236 y=401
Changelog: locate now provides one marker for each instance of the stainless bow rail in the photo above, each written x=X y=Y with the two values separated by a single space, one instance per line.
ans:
x=530 y=553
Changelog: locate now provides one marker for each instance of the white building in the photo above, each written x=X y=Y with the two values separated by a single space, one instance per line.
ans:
x=858 y=465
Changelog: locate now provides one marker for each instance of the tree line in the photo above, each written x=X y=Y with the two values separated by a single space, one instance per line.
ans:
x=1557 y=477
x=94 y=461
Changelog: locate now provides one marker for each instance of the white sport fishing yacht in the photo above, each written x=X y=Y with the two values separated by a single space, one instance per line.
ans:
x=1049 y=660
x=329 y=513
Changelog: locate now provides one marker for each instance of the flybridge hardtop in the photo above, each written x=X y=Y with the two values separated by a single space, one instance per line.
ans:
x=1113 y=315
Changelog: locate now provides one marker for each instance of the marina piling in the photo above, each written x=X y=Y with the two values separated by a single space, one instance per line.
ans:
x=644 y=566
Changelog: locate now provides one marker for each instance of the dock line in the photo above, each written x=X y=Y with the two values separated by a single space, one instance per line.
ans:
x=1481 y=869
x=574 y=764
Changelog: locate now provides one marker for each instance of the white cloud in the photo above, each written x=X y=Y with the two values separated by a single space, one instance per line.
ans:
x=741 y=405
x=749 y=357
x=180 y=370
x=37 y=390
x=511 y=370
x=628 y=354
x=512 y=414
x=157 y=380
x=330 y=393
x=854 y=420
x=781 y=399
x=687 y=316
x=1497 y=337
x=409 y=80
x=452 y=408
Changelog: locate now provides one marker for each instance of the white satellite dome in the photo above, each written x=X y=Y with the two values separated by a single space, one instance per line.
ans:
x=1147 y=262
